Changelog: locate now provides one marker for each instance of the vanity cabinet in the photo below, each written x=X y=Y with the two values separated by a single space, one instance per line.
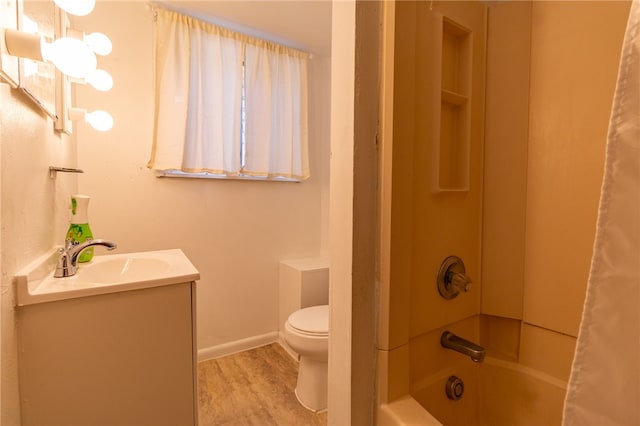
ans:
x=122 y=358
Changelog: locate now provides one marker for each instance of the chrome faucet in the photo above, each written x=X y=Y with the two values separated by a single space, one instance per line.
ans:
x=67 y=265
x=451 y=341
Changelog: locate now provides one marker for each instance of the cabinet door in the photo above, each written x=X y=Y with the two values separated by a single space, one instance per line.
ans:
x=115 y=359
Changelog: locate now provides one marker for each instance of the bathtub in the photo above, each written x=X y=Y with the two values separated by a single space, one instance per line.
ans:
x=497 y=392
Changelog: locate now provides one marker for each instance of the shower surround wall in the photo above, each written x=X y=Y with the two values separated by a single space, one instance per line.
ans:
x=235 y=232
x=548 y=99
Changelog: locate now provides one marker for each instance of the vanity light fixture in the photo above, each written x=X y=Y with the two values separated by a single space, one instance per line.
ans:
x=76 y=7
x=98 y=119
x=69 y=55
x=72 y=52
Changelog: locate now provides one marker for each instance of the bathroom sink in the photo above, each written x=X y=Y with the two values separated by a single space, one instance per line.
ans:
x=117 y=269
x=104 y=274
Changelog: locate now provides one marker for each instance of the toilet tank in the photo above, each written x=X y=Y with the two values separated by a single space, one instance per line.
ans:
x=303 y=283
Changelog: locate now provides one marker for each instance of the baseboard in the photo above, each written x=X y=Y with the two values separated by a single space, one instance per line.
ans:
x=286 y=347
x=236 y=346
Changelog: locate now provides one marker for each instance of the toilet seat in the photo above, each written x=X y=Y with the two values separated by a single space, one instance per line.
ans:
x=311 y=321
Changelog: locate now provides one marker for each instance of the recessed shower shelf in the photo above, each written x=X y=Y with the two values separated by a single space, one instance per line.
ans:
x=451 y=149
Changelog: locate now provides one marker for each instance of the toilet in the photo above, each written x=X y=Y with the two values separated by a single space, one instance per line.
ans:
x=306 y=331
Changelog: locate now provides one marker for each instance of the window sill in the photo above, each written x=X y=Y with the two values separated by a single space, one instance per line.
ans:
x=206 y=175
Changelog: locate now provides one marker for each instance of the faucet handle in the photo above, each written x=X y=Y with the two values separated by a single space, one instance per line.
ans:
x=452 y=278
x=459 y=281
x=63 y=263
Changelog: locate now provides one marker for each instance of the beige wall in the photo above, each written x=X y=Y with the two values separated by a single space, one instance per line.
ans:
x=536 y=270
x=426 y=224
x=446 y=222
x=574 y=62
x=551 y=75
x=235 y=232
x=33 y=215
x=505 y=158
x=570 y=104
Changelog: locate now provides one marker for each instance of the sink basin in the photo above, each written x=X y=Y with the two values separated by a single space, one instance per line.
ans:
x=104 y=274
x=122 y=269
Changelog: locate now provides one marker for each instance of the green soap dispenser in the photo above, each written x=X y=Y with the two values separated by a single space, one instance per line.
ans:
x=79 y=230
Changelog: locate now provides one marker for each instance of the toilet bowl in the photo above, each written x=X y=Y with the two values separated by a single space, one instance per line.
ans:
x=306 y=331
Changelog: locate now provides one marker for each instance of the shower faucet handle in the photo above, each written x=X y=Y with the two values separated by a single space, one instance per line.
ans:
x=459 y=281
x=452 y=278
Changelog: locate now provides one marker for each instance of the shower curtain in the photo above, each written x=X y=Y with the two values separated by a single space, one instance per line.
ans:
x=604 y=387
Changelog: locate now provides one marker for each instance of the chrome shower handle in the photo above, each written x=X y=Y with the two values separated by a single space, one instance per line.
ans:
x=458 y=280
x=452 y=278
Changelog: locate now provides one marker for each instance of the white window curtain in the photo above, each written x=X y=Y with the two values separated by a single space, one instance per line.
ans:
x=200 y=83
x=274 y=86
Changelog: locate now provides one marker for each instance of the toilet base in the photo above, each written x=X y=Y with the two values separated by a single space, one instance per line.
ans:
x=311 y=388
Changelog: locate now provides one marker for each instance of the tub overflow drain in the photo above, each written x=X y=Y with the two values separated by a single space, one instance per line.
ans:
x=455 y=388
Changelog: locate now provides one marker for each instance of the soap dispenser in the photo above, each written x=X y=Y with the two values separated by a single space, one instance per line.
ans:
x=79 y=230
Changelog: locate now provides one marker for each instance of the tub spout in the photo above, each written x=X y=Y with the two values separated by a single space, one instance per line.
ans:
x=451 y=341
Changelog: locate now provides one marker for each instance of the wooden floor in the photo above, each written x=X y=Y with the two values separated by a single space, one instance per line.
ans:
x=255 y=387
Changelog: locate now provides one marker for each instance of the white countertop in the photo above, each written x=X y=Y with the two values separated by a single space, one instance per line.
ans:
x=104 y=274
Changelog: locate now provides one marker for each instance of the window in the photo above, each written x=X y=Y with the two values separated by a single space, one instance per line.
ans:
x=226 y=103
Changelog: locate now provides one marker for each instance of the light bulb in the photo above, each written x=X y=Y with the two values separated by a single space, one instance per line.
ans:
x=71 y=56
x=99 y=43
x=100 y=80
x=99 y=120
x=76 y=7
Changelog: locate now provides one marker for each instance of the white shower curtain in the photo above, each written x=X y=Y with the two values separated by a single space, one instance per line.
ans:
x=604 y=387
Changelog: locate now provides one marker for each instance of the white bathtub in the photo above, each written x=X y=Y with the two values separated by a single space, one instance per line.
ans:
x=497 y=393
